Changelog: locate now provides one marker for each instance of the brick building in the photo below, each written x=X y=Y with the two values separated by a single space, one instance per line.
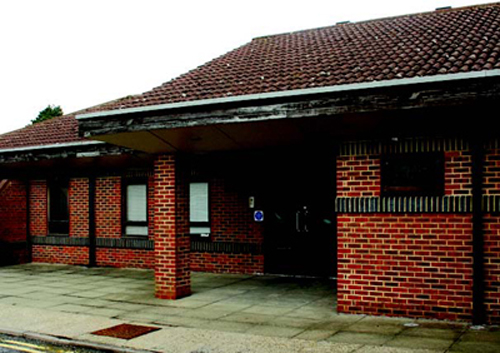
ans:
x=368 y=152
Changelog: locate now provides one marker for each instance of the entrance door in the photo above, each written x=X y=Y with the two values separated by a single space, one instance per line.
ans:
x=300 y=225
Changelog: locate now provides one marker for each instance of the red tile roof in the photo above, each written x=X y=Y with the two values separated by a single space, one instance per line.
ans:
x=440 y=42
x=59 y=130
x=62 y=129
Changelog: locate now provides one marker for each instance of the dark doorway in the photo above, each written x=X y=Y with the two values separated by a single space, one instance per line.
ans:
x=300 y=224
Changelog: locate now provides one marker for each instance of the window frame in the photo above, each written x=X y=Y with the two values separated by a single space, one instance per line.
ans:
x=205 y=224
x=56 y=223
x=125 y=222
x=432 y=185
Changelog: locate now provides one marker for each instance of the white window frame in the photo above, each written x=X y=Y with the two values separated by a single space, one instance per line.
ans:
x=138 y=227
x=199 y=208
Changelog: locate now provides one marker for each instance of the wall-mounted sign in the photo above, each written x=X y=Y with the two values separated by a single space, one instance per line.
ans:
x=258 y=216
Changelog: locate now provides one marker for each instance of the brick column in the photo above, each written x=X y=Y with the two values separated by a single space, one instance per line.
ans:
x=172 y=247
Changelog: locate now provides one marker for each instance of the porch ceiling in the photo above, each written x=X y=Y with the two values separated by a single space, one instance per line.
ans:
x=220 y=137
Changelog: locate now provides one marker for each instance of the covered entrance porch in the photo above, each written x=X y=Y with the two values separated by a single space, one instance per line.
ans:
x=394 y=116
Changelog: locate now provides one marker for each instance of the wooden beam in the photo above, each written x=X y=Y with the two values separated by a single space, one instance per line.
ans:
x=471 y=92
x=81 y=152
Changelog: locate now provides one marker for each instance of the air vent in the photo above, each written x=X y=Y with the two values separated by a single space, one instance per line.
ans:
x=343 y=22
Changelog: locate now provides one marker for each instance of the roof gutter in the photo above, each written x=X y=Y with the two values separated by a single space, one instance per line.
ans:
x=296 y=93
x=53 y=146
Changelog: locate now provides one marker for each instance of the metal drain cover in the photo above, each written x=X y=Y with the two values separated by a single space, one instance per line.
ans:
x=126 y=331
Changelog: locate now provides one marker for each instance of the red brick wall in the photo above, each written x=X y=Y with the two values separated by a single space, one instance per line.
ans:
x=13 y=212
x=492 y=267
x=492 y=238
x=358 y=176
x=108 y=207
x=172 y=250
x=230 y=217
x=38 y=208
x=79 y=208
x=227 y=263
x=417 y=265
x=492 y=173
x=458 y=173
x=69 y=255
x=13 y=222
x=125 y=258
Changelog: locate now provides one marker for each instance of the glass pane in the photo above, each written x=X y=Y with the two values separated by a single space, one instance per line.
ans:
x=137 y=203
x=199 y=230
x=136 y=230
x=58 y=203
x=198 y=202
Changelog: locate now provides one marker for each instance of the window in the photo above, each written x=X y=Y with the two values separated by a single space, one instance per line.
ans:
x=413 y=174
x=136 y=208
x=198 y=208
x=58 y=207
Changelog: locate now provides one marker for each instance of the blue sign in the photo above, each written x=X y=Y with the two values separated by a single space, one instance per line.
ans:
x=258 y=216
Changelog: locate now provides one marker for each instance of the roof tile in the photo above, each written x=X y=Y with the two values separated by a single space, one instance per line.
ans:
x=439 y=42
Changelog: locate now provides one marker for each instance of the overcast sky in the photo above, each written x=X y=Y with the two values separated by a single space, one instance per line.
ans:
x=81 y=53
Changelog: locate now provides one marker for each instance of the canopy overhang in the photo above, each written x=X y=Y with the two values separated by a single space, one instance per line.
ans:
x=441 y=105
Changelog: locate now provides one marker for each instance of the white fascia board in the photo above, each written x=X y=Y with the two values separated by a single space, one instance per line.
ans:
x=297 y=93
x=53 y=146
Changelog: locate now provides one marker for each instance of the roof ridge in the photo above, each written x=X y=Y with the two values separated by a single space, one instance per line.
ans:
x=348 y=23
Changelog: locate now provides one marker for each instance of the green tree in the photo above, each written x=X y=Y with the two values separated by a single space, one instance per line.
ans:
x=48 y=113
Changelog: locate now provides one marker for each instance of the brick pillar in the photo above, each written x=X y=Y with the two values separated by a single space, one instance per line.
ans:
x=172 y=246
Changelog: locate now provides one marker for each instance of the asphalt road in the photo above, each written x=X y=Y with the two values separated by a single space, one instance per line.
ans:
x=9 y=344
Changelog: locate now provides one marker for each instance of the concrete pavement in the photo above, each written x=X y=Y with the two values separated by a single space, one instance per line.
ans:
x=226 y=313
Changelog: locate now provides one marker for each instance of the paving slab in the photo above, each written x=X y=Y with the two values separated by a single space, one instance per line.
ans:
x=249 y=318
x=49 y=322
x=139 y=317
x=475 y=347
x=164 y=310
x=72 y=308
x=378 y=325
x=292 y=322
x=486 y=335
x=309 y=313
x=188 y=302
x=268 y=310
x=184 y=321
x=372 y=339
x=121 y=305
x=315 y=335
x=182 y=340
x=105 y=312
x=427 y=343
x=39 y=303
x=274 y=331
x=226 y=326
x=229 y=307
x=210 y=314
x=438 y=333
x=88 y=294
x=385 y=349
